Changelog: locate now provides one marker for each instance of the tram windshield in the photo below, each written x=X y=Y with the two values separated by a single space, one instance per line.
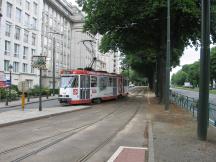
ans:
x=69 y=82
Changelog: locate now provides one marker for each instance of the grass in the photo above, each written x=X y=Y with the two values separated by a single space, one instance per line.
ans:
x=194 y=89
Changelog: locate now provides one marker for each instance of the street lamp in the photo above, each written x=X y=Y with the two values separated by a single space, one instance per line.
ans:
x=54 y=44
x=10 y=67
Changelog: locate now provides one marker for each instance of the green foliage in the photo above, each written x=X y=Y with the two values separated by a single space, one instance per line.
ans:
x=213 y=64
x=134 y=77
x=179 y=78
x=36 y=91
x=188 y=73
x=138 y=27
x=5 y=92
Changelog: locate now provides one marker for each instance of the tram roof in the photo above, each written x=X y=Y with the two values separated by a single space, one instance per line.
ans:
x=87 y=72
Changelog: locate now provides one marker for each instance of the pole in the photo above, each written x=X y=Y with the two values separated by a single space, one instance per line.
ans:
x=204 y=72
x=10 y=87
x=53 y=65
x=40 y=99
x=6 y=103
x=167 y=59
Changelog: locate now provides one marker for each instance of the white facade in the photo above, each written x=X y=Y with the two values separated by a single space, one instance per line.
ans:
x=20 y=39
x=29 y=27
x=57 y=20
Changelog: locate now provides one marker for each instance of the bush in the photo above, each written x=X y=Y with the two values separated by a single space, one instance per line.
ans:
x=36 y=91
x=14 y=93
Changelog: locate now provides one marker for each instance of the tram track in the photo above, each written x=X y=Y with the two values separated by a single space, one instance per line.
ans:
x=59 y=137
x=87 y=156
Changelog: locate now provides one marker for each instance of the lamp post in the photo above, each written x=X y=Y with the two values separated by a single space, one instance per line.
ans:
x=203 y=110
x=54 y=51
x=10 y=67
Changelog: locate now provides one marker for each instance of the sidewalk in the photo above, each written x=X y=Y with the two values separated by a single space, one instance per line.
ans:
x=175 y=135
x=32 y=100
x=19 y=116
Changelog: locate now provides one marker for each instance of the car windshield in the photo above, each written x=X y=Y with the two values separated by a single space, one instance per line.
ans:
x=69 y=82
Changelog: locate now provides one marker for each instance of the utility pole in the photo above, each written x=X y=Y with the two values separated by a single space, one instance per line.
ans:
x=40 y=86
x=203 y=110
x=167 y=86
x=54 y=65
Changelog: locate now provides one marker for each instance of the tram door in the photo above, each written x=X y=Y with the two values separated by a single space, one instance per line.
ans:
x=84 y=87
x=114 y=87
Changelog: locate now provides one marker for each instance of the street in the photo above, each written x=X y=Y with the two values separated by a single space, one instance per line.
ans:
x=194 y=94
x=88 y=135
x=47 y=104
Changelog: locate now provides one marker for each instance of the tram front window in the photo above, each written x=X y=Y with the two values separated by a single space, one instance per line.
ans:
x=69 y=82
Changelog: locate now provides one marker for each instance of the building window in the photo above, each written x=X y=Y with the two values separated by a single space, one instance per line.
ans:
x=6 y=65
x=16 y=67
x=33 y=39
x=18 y=14
x=27 y=19
x=25 y=52
x=33 y=52
x=7 y=47
x=8 y=29
x=19 y=2
x=9 y=10
x=17 y=32
x=26 y=36
x=25 y=68
x=35 y=6
x=27 y=5
x=16 y=50
x=32 y=70
x=34 y=23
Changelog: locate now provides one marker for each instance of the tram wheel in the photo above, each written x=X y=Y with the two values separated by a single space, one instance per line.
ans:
x=97 y=100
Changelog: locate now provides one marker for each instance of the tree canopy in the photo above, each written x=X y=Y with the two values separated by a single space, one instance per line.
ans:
x=138 y=29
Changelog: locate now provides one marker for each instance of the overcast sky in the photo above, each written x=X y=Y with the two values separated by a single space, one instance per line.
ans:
x=190 y=54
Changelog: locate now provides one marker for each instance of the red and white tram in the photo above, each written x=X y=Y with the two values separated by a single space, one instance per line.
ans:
x=83 y=86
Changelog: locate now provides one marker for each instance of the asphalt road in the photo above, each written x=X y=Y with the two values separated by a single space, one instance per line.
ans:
x=193 y=94
x=88 y=135
x=47 y=104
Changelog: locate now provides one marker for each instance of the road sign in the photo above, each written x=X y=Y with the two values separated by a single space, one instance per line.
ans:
x=23 y=86
x=8 y=82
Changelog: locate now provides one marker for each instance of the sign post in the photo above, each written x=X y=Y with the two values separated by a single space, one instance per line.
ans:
x=40 y=63
x=23 y=87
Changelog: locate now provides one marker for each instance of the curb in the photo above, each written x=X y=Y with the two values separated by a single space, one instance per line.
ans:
x=41 y=117
x=150 y=144
x=27 y=103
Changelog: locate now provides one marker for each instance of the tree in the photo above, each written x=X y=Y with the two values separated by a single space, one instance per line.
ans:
x=213 y=65
x=138 y=29
x=193 y=71
x=179 y=78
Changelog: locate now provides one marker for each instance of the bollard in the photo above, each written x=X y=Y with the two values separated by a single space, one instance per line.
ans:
x=23 y=101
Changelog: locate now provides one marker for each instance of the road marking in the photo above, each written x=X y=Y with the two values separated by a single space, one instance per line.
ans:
x=121 y=148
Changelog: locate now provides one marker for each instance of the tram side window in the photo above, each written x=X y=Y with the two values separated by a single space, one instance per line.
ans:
x=125 y=82
x=110 y=84
x=93 y=81
x=103 y=83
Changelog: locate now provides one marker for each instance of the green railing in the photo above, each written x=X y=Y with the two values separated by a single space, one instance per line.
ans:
x=191 y=104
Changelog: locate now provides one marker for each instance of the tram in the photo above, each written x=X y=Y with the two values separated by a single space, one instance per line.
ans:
x=85 y=87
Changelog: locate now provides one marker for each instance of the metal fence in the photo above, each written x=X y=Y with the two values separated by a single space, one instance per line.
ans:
x=191 y=104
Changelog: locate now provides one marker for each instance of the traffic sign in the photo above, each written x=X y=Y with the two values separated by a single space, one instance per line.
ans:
x=23 y=86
